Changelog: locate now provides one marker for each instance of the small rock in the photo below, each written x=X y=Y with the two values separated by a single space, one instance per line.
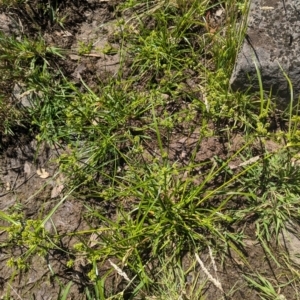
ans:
x=27 y=169
x=291 y=242
x=8 y=26
x=21 y=95
x=74 y=57
x=56 y=191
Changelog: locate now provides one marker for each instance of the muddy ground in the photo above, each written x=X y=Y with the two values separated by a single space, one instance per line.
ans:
x=31 y=185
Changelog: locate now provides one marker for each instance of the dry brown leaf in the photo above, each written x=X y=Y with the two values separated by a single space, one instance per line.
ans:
x=42 y=173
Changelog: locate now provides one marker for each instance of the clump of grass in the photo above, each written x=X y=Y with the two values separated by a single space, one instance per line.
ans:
x=41 y=13
x=265 y=288
x=23 y=62
x=18 y=56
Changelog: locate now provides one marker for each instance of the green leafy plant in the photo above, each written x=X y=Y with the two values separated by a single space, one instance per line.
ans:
x=85 y=47
x=30 y=236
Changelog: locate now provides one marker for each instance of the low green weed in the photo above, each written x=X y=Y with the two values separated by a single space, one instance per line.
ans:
x=85 y=47
x=273 y=184
x=29 y=236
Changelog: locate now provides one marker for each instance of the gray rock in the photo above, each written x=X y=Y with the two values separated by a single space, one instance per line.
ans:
x=19 y=93
x=272 y=43
x=27 y=98
x=8 y=25
x=290 y=241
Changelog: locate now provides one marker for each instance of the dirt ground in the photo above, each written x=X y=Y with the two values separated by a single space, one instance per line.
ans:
x=31 y=184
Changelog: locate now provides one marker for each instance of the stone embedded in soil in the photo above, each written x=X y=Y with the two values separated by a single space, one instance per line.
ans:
x=8 y=25
x=290 y=240
x=22 y=96
x=272 y=42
